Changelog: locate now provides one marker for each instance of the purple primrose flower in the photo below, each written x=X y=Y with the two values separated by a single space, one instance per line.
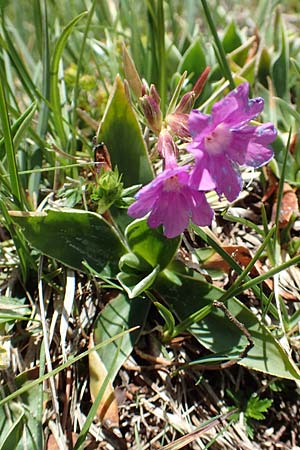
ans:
x=223 y=140
x=172 y=202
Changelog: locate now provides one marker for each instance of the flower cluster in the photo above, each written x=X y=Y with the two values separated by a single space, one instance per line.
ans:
x=220 y=143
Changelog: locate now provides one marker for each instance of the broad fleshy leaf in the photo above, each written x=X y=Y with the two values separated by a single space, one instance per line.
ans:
x=118 y=315
x=193 y=61
x=151 y=244
x=73 y=237
x=122 y=135
x=218 y=334
x=280 y=66
x=136 y=284
x=21 y=427
x=11 y=430
x=231 y=39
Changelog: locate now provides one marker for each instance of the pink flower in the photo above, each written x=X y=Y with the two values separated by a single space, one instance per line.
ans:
x=223 y=140
x=172 y=202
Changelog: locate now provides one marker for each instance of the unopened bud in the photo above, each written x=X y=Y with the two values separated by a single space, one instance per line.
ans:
x=154 y=94
x=150 y=105
x=186 y=103
x=199 y=85
x=108 y=189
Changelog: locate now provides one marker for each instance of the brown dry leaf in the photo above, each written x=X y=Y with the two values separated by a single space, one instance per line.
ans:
x=243 y=256
x=239 y=253
x=272 y=184
x=52 y=444
x=289 y=205
x=108 y=408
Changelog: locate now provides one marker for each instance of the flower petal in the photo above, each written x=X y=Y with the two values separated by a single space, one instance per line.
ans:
x=257 y=155
x=248 y=145
x=202 y=176
x=228 y=180
x=202 y=213
x=199 y=124
x=224 y=109
x=170 y=211
x=236 y=109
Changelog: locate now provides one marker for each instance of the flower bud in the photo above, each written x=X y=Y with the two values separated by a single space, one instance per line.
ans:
x=186 y=103
x=108 y=189
x=150 y=105
x=199 y=85
x=154 y=94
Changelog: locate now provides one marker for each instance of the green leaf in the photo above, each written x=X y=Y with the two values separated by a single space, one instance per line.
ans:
x=10 y=151
x=292 y=174
x=118 y=315
x=18 y=128
x=54 y=82
x=168 y=318
x=193 y=61
x=134 y=285
x=218 y=334
x=231 y=39
x=74 y=236
x=263 y=69
x=151 y=244
x=12 y=309
x=280 y=66
x=132 y=263
x=256 y=407
x=239 y=55
x=11 y=430
x=121 y=132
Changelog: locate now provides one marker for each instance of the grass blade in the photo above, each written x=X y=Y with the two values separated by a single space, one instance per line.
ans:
x=10 y=153
x=54 y=81
x=221 y=53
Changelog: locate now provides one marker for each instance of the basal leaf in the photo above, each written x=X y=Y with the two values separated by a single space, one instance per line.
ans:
x=231 y=39
x=135 y=284
x=150 y=243
x=218 y=334
x=118 y=315
x=11 y=430
x=73 y=237
x=263 y=69
x=280 y=66
x=193 y=61
x=121 y=132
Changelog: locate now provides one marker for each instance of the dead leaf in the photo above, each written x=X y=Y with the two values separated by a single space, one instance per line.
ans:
x=289 y=279
x=51 y=443
x=272 y=184
x=108 y=408
x=289 y=205
x=239 y=253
